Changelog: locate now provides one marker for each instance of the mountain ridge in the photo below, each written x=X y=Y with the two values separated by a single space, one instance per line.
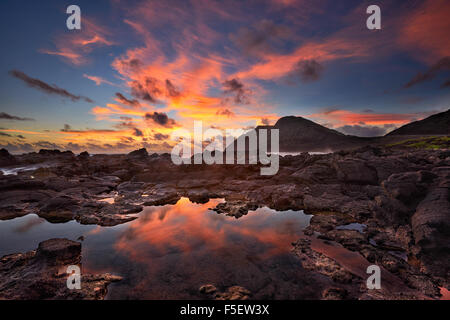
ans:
x=300 y=134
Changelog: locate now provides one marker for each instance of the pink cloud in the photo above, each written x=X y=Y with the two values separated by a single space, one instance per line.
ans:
x=74 y=48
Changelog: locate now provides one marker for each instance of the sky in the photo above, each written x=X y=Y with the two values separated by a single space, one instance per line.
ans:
x=138 y=70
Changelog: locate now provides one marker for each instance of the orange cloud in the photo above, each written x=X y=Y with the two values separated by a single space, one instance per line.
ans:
x=115 y=109
x=75 y=58
x=425 y=31
x=345 y=117
x=276 y=65
x=75 y=48
x=98 y=80
x=189 y=82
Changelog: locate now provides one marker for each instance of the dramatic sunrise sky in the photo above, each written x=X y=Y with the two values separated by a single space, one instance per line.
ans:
x=139 y=69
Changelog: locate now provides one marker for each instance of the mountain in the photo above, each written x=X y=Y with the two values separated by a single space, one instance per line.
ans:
x=300 y=134
x=437 y=124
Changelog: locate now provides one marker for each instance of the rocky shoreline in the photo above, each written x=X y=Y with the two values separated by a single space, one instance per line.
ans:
x=387 y=206
x=41 y=274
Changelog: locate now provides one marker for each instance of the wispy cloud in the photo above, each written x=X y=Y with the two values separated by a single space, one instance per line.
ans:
x=129 y=102
x=442 y=64
x=47 y=88
x=98 y=80
x=76 y=48
x=7 y=116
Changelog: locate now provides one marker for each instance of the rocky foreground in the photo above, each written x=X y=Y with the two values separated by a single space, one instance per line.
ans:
x=42 y=274
x=399 y=199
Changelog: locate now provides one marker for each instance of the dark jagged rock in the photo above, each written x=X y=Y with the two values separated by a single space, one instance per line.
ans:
x=231 y=293
x=138 y=154
x=235 y=209
x=52 y=153
x=6 y=159
x=41 y=274
x=59 y=209
x=431 y=229
x=84 y=155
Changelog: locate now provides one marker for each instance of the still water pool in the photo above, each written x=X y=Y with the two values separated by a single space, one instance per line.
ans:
x=171 y=250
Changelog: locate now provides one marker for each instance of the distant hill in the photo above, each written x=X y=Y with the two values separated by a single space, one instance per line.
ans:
x=300 y=134
x=437 y=124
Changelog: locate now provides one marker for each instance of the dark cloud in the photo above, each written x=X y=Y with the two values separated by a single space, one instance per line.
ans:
x=17 y=148
x=225 y=112
x=236 y=87
x=307 y=70
x=126 y=123
x=364 y=131
x=152 y=89
x=68 y=128
x=20 y=136
x=442 y=64
x=120 y=145
x=155 y=146
x=138 y=91
x=265 y=121
x=160 y=136
x=50 y=89
x=262 y=37
x=47 y=145
x=134 y=64
x=6 y=116
x=160 y=118
x=127 y=139
x=147 y=91
x=132 y=103
x=446 y=84
x=5 y=134
x=137 y=132
x=171 y=90
x=74 y=147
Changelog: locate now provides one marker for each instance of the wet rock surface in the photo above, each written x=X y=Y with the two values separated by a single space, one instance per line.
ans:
x=41 y=274
x=231 y=293
x=402 y=198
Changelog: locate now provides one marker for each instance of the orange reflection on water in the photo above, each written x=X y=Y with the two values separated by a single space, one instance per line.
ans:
x=186 y=226
x=445 y=294
x=171 y=250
